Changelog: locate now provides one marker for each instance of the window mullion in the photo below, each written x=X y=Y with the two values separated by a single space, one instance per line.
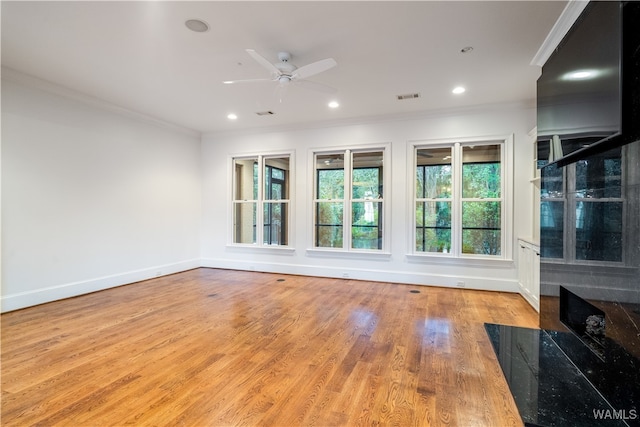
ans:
x=456 y=203
x=503 y=206
x=346 y=215
x=260 y=203
x=570 y=217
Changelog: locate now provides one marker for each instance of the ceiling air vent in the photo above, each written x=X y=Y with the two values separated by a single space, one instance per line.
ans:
x=265 y=113
x=408 y=96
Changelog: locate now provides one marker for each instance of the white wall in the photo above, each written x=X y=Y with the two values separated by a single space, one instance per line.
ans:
x=489 y=121
x=91 y=198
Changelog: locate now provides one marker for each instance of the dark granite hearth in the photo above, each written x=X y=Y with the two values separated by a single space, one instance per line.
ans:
x=550 y=390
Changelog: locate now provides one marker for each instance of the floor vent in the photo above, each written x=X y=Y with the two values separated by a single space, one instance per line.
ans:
x=408 y=96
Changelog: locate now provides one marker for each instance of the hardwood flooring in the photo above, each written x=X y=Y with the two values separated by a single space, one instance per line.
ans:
x=214 y=347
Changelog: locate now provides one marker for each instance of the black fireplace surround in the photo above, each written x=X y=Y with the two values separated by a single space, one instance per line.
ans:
x=582 y=367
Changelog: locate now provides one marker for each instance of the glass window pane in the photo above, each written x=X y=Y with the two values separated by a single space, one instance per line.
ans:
x=331 y=184
x=276 y=178
x=330 y=176
x=433 y=227
x=329 y=223
x=552 y=185
x=552 y=229
x=481 y=222
x=598 y=239
x=366 y=183
x=599 y=176
x=276 y=191
x=433 y=173
x=279 y=173
x=244 y=222
x=246 y=179
x=366 y=229
x=367 y=173
x=481 y=171
x=275 y=224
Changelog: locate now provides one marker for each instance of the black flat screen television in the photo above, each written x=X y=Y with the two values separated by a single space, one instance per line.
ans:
x=588 y=91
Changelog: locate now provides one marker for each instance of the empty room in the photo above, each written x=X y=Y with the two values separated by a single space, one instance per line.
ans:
x=220 y=213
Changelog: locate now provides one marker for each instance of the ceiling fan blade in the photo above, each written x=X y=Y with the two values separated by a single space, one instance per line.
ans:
x=315 y=86
x=263 y=61
x=232 y=82
x=314 y=68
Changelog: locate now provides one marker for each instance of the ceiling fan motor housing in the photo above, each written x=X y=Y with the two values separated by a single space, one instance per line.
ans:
x=284 y=65
x=284 y=56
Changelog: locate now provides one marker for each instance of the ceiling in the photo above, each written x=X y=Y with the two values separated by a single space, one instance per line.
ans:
x=140 y=56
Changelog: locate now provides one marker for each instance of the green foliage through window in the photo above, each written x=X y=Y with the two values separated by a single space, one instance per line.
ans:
x=478 y=200
x=363 y=198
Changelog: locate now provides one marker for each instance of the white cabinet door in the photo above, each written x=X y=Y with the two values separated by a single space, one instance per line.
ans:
x=529 y=272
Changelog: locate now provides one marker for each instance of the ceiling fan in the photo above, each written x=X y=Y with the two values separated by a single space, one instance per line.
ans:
x=285 y=73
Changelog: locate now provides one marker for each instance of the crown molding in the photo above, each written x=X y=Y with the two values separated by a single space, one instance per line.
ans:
x=15 y=76
x=567 y=18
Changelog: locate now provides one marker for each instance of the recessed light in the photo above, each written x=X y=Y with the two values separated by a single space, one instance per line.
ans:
x=458 y=90
x=197 y=25
x=232 y=116
x=334 y=104
x=581 y=75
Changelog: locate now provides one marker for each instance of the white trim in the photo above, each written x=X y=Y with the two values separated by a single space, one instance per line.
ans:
x=506 y=157
x=463 y=261
x=259 y=202
x=23 y=79
x=529 y=297
x=376 y=119
x=67 y=290
x=249 y=248
x=478 y=282
x=348 y=149
x=352 y=254
x=565 y=21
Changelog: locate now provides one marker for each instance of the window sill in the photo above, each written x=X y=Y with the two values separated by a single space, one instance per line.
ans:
x=274 y=249
x=466 y=261
x=335 y=253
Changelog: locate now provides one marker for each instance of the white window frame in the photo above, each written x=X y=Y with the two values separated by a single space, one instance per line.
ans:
x=347 y=201
x=455 y=255
x=260 y=201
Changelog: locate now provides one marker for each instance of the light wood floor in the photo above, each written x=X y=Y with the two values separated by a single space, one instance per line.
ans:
x=217 y=347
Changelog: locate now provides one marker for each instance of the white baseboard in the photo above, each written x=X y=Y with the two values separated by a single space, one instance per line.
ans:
x=410 y=278
x=531 y=299
x=40 y=296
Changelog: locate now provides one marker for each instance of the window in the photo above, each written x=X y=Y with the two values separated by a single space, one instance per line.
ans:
x=481 y=200
x=433 y=199
x=348 y=200
x=261 y=196
x=459 y=207
x=582 y=210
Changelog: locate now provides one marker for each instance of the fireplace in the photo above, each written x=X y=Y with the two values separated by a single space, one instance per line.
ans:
x=582 y=367
x=584 y=319
x=590 y=271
